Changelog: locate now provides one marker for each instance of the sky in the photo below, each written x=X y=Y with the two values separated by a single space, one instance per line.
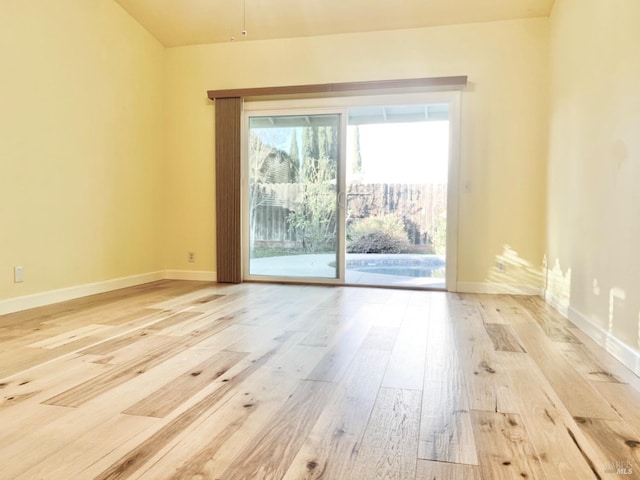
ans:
x=412 y=152
x=402 y=152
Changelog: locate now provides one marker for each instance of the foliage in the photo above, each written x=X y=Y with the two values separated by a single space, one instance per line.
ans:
x=439 y=235
x=319 y=142
x=383 y=234
x=294 y=154
x=268 y=164
x=310 y=143
x=314 y=219
x=263 y=252
x=356 y=167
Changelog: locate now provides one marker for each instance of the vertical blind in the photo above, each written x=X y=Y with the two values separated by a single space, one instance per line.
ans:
x=228 y=189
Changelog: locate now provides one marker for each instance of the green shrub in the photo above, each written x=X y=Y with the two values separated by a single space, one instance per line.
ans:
x=385 y=234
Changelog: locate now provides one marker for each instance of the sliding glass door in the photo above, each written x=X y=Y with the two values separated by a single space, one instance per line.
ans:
x=396 y=191
x=292 y=198
x=356 y=194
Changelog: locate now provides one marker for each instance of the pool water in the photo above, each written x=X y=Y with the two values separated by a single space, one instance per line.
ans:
x=403 y=271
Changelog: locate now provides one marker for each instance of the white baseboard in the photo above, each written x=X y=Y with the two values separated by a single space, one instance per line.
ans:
x=60 y=295
x=203 y=276
x=497 y=288
x=25 y=302
x=555 y=302
x=624 y=353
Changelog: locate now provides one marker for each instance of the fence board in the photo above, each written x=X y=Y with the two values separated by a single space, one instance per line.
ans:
x=420 y=206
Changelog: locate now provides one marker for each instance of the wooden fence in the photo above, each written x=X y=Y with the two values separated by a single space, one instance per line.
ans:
x=421 y=207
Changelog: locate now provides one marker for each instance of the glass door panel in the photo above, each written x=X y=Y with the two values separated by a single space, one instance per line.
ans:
x=396 y=195
x=293 y=222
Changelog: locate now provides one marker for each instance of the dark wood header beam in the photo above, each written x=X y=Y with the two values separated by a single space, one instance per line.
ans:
x=338 y=88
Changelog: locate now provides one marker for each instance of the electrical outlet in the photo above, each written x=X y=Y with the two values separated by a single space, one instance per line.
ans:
x=501 y=266
x=191 y=257
x=18 y=274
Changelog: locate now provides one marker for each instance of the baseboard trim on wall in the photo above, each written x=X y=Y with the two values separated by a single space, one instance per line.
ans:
x=202 y=276
x=497 y=288
x=624 y=353
x=561 y=307
x=25 y=302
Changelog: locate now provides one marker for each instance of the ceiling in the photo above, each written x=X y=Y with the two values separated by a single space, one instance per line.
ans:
x=190 y=22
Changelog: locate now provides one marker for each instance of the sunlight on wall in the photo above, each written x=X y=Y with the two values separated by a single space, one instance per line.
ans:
x=511 y=269
x=558 y=287
x=616 y=293
x=593 y=196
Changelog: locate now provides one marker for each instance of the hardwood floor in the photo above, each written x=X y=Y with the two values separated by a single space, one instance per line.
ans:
x=189 y=380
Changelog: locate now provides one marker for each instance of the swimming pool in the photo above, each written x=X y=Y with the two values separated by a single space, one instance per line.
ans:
x=415 y=266
x=415 y=272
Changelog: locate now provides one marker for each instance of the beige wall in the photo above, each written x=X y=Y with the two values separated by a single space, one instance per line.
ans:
x=107 y=147
x=504 y=131
x=594 y=164
x=80 y=160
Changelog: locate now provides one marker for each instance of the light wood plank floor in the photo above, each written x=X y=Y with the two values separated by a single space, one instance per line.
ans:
x=190 y=380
